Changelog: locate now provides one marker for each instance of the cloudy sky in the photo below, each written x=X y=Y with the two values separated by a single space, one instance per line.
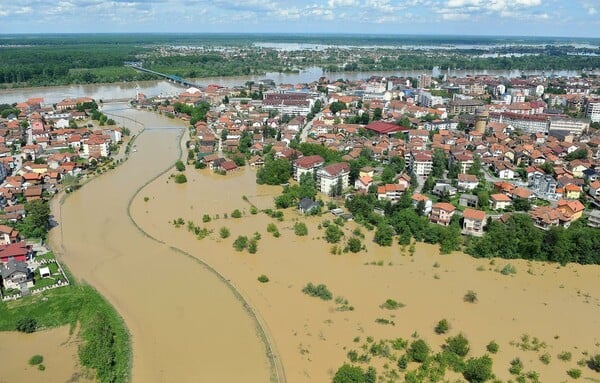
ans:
x=473 y=17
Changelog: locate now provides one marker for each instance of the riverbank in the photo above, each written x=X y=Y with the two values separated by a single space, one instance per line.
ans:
x=169 y=302
x=557 y=305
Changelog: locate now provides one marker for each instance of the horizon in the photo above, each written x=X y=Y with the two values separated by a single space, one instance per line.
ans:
x=531 y=18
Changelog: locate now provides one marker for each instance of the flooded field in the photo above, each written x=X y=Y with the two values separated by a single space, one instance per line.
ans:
x=558 y=305
x=58 y=348
x=186 y=325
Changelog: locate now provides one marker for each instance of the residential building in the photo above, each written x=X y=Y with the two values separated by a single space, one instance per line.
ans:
x=19 y=251
x=427 y=204
x=594 y=219
x=308 y=164
x=467 y=182
x=473 y=222
x=421 y=162
x=468 y=200
x=594 y=189
x=560 y=125
x=500 y=201
x=593 y=110
x=441 y=213
x=332 y=177
x=464 y=106
x=15 y=274
x=363 y=183
x=391 y=192
x=8 y=235
x=573 y=210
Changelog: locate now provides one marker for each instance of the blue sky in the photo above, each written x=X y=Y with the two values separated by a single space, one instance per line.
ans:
x=473 y=17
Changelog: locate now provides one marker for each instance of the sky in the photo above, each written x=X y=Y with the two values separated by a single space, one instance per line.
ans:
x=570 y=18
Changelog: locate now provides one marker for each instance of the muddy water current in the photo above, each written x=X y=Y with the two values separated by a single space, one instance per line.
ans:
x=186 y=324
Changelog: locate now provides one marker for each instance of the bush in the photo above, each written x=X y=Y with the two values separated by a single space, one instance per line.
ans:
x=354 y=245
x=253 y=210
x=252 y=246
x=565 y=356
x=180 y=178
x=594 y=362
x=492 y=347
x=418 y=351
x=300 y=229
x=458 y=345
x=206 y=218
x=391 y=304
x=263 y=278
x=470 y=296
x=224 y=232
x=333 y=234
x=26 y=325
x=508 y=269
x=240 y=243
x=36 y=359
x=442 y=327
x=320 y=291
x=545 y=358
x=478 y=370
x=236 y=214
x=179 y=166
x=574 y=373
x=516 y=366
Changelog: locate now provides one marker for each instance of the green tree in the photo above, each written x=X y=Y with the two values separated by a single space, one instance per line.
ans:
x=179 y=166
x=442 y=327
x=439 y=163
x=274 y=172
x=300 y=229
x=333 y=234
x=36 y=221
x=354 y=245
x=384 y=235
x=388 y=174
x=478 y=370
x=349 y=374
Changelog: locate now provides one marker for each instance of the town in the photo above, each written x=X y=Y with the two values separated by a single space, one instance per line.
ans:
x=469 y=150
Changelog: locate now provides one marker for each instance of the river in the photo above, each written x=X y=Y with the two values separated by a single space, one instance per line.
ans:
x=186 y=324
x=156 y=88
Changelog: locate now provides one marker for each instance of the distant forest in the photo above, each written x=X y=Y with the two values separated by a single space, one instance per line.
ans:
x=40 y=60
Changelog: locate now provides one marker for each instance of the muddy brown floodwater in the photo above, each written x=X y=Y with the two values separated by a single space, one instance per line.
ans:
x=186 y=325
x=558 y=305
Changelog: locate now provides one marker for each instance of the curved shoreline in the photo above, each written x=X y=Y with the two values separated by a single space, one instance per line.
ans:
x=277 y=370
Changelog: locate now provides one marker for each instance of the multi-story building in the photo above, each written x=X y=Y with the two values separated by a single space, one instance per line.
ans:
x=568 y=125
x=473 y=222
x=333 y=176
x=525 y=123
x=593 y=110
x=421 y=162
x=308 y=164
x=441 y=213
x=464 y=106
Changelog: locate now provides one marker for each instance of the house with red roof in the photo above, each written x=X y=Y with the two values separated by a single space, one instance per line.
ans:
x=18 y=251
x=473 y=222
x=441 y=213
x=307 y=164
x=385 y=128
x=390 y=192
x=329 y=177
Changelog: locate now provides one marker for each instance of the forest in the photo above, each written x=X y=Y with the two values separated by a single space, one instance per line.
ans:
x=42 y=60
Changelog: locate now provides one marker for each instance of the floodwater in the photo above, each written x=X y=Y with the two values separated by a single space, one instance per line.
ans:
x=186 y=324
x=58 y=347
x=55 y=94
x=558 y=305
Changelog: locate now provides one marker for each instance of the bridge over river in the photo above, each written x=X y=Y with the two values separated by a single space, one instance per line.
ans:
x=169 y=77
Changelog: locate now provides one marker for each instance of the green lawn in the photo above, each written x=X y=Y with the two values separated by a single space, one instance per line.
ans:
x=69 y=305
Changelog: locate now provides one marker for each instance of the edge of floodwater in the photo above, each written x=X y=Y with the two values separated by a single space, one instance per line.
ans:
x=277 y=370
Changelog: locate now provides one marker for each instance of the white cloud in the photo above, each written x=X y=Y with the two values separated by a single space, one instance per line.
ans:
x=342 y=3
x=592 y=11
x=455 y=16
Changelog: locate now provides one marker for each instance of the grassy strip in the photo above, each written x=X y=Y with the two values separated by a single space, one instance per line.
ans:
x=83 y=304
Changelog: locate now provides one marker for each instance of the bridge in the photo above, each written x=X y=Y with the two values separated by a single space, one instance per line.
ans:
x=169 y=77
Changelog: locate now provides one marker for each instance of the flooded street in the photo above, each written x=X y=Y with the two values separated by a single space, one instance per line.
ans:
x=186 y=324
